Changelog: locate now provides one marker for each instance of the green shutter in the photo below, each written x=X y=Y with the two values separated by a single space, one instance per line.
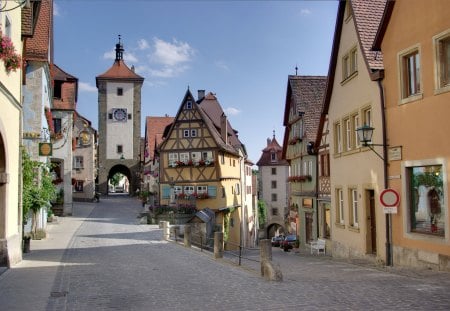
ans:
x=166 y=192
x=212 y=191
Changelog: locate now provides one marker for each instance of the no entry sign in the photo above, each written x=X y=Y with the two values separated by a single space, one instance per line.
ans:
x=390 y=199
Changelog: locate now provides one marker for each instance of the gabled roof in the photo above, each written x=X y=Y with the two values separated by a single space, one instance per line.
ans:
x=266 y=157
x=212 y=114
x=154 y=133
x=367 y=16
x=39 y=46
x=120 y=71
x=305 y=94
x=69 y=89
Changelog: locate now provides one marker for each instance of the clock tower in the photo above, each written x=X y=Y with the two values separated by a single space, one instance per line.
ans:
x=119 y=122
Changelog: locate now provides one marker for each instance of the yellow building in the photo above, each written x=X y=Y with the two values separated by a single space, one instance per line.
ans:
x=10 y=139
x=201 y=160
x=353 y=99
x=415 y=41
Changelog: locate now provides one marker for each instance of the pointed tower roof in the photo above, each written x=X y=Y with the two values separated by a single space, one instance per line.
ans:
x=119 y=70
x=272 y=147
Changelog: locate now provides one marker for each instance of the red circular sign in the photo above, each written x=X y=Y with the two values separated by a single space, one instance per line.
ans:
x=389 y=198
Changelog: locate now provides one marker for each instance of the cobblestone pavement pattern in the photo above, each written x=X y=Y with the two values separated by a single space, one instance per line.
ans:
x=111 y=262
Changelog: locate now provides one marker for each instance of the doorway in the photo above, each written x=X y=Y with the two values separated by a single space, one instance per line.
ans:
x=371 y=237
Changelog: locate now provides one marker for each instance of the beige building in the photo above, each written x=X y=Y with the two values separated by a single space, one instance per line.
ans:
x=352 y=100
x=415 y=41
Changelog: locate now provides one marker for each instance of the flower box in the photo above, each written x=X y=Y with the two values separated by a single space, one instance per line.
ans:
x=300 y=178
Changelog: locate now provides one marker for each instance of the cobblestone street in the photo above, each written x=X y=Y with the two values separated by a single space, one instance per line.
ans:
x=102 y=258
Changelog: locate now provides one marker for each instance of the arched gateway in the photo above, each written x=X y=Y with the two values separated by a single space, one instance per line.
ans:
x=119 y=119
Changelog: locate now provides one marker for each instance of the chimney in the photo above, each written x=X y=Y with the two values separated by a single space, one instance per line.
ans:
x=201 y=94
x=223 y=128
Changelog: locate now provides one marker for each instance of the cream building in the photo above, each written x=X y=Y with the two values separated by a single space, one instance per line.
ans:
x=10 y=140
x=353 y=99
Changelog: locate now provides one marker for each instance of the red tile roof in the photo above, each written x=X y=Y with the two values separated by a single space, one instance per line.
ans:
x=119 y=70
x=69 y=89
x=40 y=45
x=155 y=127
x=266 y=157
x=367 y=17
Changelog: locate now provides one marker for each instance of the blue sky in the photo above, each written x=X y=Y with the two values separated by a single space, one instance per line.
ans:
x=243 y=51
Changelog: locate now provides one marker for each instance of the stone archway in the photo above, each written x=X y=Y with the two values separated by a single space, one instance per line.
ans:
x=272 y=228
x=119 y=168
x=3 y=180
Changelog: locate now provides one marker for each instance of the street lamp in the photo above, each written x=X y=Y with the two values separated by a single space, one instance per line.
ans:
x=365 y=133
x=122 y=157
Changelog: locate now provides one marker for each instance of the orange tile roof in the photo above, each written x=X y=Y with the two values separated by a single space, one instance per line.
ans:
x=119 y=70
x=155 y=127
x=40 y=45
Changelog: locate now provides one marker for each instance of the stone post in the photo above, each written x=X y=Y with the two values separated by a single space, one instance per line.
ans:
x=166 y=230
x=265 y=249
x=187 y=235
x=218 y=245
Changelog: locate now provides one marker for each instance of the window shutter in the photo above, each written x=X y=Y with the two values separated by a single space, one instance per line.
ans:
x=212 y=191
x=166 y=192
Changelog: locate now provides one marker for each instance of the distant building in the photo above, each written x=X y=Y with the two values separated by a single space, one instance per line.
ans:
x=84 y=171
x=273 y=175
x=303 y=107
x=119 y=122
x=201 y=162
x=65 y=92
x=155 y=127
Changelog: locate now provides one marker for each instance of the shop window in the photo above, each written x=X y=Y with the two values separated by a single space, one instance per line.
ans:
x=426 y=199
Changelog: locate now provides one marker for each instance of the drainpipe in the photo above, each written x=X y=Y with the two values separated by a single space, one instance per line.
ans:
x=386 y=178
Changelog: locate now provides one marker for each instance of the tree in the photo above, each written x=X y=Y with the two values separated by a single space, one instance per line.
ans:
x=116 y=179
x=38 y=189
x=262 y=213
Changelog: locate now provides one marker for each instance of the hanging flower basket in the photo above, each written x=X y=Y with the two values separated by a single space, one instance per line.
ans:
x=300 y=178
x=8 y=55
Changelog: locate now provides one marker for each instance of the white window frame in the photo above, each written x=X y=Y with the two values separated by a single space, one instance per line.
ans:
x=177 y=190
x=202 y=189
x=184 y=157
x=442 y=79
x=189 y=104
x=404 y=75
x=356 y=125
x=78 y=162
x=340 y=205
x=193 y=132
x=354 y=207
x=173 y=158
x=186 y=133
x=188 y=190
x=338 y=137
x=348 y=134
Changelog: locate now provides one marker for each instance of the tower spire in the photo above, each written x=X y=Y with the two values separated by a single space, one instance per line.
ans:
x=119 y=50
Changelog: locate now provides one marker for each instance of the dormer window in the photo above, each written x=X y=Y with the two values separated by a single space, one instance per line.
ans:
x=188 y=104
x=273 y=156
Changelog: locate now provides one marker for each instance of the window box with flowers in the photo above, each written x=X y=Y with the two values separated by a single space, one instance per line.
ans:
x=294 y=140
x=300 y=178
x=200 y=196
x=8 y=55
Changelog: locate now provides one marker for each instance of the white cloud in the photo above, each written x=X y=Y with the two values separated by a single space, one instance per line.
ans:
x=143 y=44
x=56 y=11
x=168 y=71
x=232 y=111
x=171 y=53
x=86 y=87
x=222 y=65
x=305 y=12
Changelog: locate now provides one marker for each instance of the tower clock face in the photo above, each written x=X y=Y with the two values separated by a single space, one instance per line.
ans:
x=120 y=114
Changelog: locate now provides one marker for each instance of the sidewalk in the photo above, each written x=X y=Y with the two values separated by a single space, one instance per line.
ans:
x=19 y=286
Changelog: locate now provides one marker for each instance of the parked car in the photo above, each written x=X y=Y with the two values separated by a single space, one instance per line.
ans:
x=276 y=240
x=289 y=242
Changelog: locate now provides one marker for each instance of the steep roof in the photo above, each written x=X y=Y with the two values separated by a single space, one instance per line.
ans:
x=40 y=45
x=69 y=90
x=266 y=156
x=305 y=94
x=214 y=113
x=155 y=127
x=120 y=71
x=367 y=16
